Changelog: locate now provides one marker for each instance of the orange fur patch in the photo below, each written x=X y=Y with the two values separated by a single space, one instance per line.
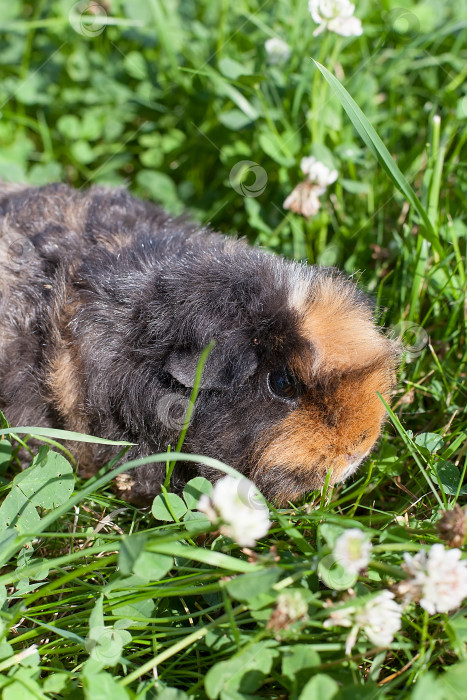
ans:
x=326 y=432
x=340 y=330
x=65 y=387
x=64 y=384
x=64 y=368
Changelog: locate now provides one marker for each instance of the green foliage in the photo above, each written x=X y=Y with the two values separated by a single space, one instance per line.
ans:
x=194 y=489
x=298 y=664
x=105 y=644
x=46 y=484
x=180 y=102
x=168 y=506
x=320 y=686
x=243 y=673
x=148 y=566
x=249 y=586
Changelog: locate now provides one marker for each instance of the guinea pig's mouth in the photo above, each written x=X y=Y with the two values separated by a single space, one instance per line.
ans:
x=354 y=462
x=282 y=484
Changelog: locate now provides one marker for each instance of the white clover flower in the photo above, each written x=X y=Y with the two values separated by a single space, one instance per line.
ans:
x=304 y=199
x=318 y=173
x=335 y=15
x=438 y=579
x=278 y=51
x=235 y=502
x=379 y=618
x=342 y=617
x=291 y=604
x=291 y=607
x=352 y=550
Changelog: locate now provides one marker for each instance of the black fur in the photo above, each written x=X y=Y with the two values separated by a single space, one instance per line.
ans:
x=130 y=297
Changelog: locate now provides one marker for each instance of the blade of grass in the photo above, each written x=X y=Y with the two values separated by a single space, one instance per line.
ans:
x=56 y=434
x=411 y=447
x=194 y=637
x=204 y=556
x=191 y=406
x=437 y=157
x=381 y=153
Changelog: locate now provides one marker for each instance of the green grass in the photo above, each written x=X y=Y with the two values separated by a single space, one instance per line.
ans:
x=167 y=98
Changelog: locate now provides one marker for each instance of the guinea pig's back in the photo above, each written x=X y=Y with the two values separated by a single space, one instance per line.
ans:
x=50 y=231
x=58 y=224
x=46 y=236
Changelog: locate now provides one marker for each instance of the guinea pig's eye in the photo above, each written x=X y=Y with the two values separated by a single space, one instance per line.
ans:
x=282 y=383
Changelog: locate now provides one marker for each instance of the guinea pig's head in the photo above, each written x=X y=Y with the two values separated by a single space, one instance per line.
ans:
x=290 y=391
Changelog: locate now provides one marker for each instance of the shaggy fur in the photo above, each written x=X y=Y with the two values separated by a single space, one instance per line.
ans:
x=105 y=305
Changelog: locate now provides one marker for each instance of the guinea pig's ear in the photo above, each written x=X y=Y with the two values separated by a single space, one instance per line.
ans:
x=219 y=372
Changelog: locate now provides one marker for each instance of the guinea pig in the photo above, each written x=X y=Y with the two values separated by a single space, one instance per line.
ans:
x=106 y=303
